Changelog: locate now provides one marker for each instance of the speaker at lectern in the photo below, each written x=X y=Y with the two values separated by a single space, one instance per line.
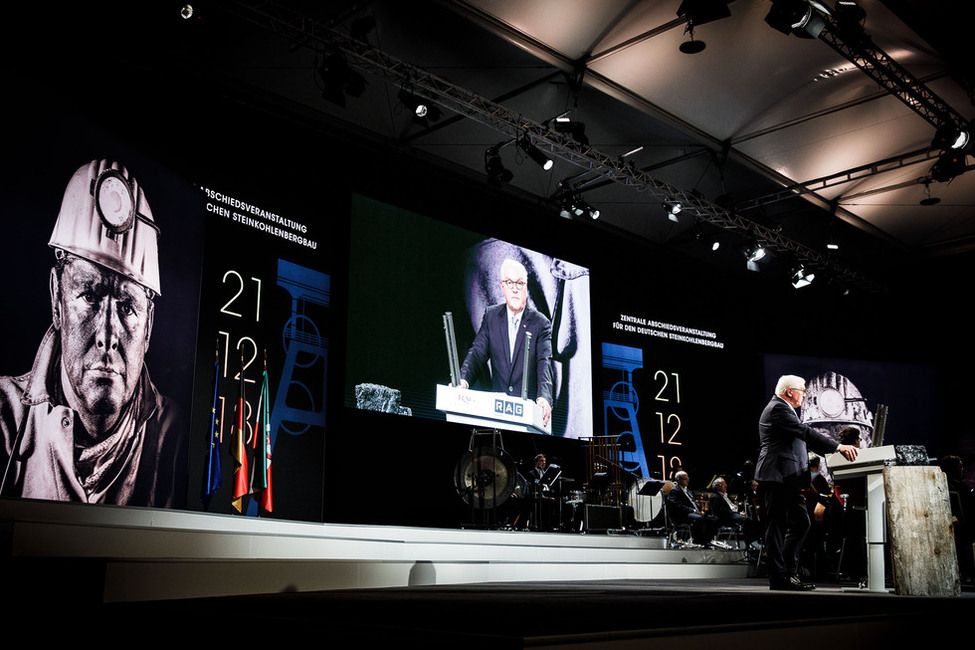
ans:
x=485 y=408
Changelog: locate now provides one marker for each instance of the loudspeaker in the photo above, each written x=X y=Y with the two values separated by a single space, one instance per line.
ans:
x=601 y=517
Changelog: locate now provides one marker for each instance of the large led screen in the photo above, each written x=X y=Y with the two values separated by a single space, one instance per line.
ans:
x=427 y=327
x=882 y=402
x=164 y=341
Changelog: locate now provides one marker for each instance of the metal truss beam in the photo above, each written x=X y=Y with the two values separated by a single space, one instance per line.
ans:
x=852 y=43
x=288 y=23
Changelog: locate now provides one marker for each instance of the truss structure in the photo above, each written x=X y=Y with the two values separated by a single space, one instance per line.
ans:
x=360 y=55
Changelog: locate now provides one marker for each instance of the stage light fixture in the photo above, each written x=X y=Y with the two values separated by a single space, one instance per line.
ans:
x=801 y=18
x=423 y=111
x=753 y=254
x=535 y=153
x=713 y=242
x=801 y=277
x=575 y=206
x=576 y=130
x=673 y=208
x=339 y=80
x=950 y=136
x=849 y=16
x=497 y=173
x=950 y=164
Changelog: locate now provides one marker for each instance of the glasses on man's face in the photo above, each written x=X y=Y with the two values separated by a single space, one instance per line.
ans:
x=514 y=284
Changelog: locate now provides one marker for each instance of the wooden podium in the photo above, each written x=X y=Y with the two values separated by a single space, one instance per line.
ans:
x=911 y=504
x=486 y=409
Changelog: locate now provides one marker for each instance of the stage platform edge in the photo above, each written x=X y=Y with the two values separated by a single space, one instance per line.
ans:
x=114 y=554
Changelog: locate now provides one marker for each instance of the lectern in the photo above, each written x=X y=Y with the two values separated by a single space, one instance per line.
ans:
x=486 y=409
x=870 y=464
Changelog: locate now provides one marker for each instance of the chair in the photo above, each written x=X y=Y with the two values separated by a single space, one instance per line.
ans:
x=730 y=535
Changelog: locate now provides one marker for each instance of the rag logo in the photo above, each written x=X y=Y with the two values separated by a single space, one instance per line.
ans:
x=507 y=407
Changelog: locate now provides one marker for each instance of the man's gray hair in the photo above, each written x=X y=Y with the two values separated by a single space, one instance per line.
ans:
x=789 y=381
x=517 y=267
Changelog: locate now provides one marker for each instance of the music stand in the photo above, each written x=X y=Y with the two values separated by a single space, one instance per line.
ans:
x=599 y=481
x=651 y=488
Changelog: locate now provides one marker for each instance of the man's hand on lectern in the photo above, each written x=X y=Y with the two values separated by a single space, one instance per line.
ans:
x=849 y=452
x=546 y=410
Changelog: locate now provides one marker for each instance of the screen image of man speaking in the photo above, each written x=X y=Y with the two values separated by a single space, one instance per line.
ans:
x=86 y=423
x=501 y=339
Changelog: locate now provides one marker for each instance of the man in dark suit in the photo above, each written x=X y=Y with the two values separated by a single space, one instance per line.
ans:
x=782 y=472
x=725 y=512
x=500 y=340
x=683 y=509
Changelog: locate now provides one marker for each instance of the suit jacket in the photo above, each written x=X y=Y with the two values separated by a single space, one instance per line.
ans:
x=720 y=509
x=785 y=444
x=680 y=504
x=491 y=344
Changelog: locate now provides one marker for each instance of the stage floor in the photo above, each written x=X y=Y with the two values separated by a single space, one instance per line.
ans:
x=584 y=614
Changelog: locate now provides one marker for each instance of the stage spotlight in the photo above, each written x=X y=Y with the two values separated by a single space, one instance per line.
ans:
x=535 y=153
x=849 y=16
x=497 y=173
x=712 y=242
x=798 y=17
x=575 y=206
x=339 y=80
x=587 y=209
x=673 y=208
x=950 y=136
x=753 y=254
x=801 y=277
x=950 y=164
x=186 y=11
x=576 y=130
x=423 y=111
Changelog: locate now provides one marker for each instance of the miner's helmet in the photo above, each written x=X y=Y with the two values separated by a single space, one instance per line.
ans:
x=105 y=219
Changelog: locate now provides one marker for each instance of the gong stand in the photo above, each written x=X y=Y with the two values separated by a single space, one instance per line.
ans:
x=485 y=476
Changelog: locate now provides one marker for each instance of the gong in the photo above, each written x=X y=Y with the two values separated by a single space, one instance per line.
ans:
x=486 y=477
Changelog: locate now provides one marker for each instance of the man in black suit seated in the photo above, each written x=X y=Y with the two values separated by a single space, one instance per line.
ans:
x=782 y=472
x=725 y=512
x=683 y=509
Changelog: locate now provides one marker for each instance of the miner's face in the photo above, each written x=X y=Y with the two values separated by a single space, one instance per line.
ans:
x=105 y=321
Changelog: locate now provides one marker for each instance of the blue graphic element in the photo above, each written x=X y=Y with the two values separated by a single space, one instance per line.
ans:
x=305 y=368
x=304 y=346
x=623 y=403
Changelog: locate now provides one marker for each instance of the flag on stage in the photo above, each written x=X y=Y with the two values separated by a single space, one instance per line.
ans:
x=239 y=447
x=261 y=484
x=214 y=478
